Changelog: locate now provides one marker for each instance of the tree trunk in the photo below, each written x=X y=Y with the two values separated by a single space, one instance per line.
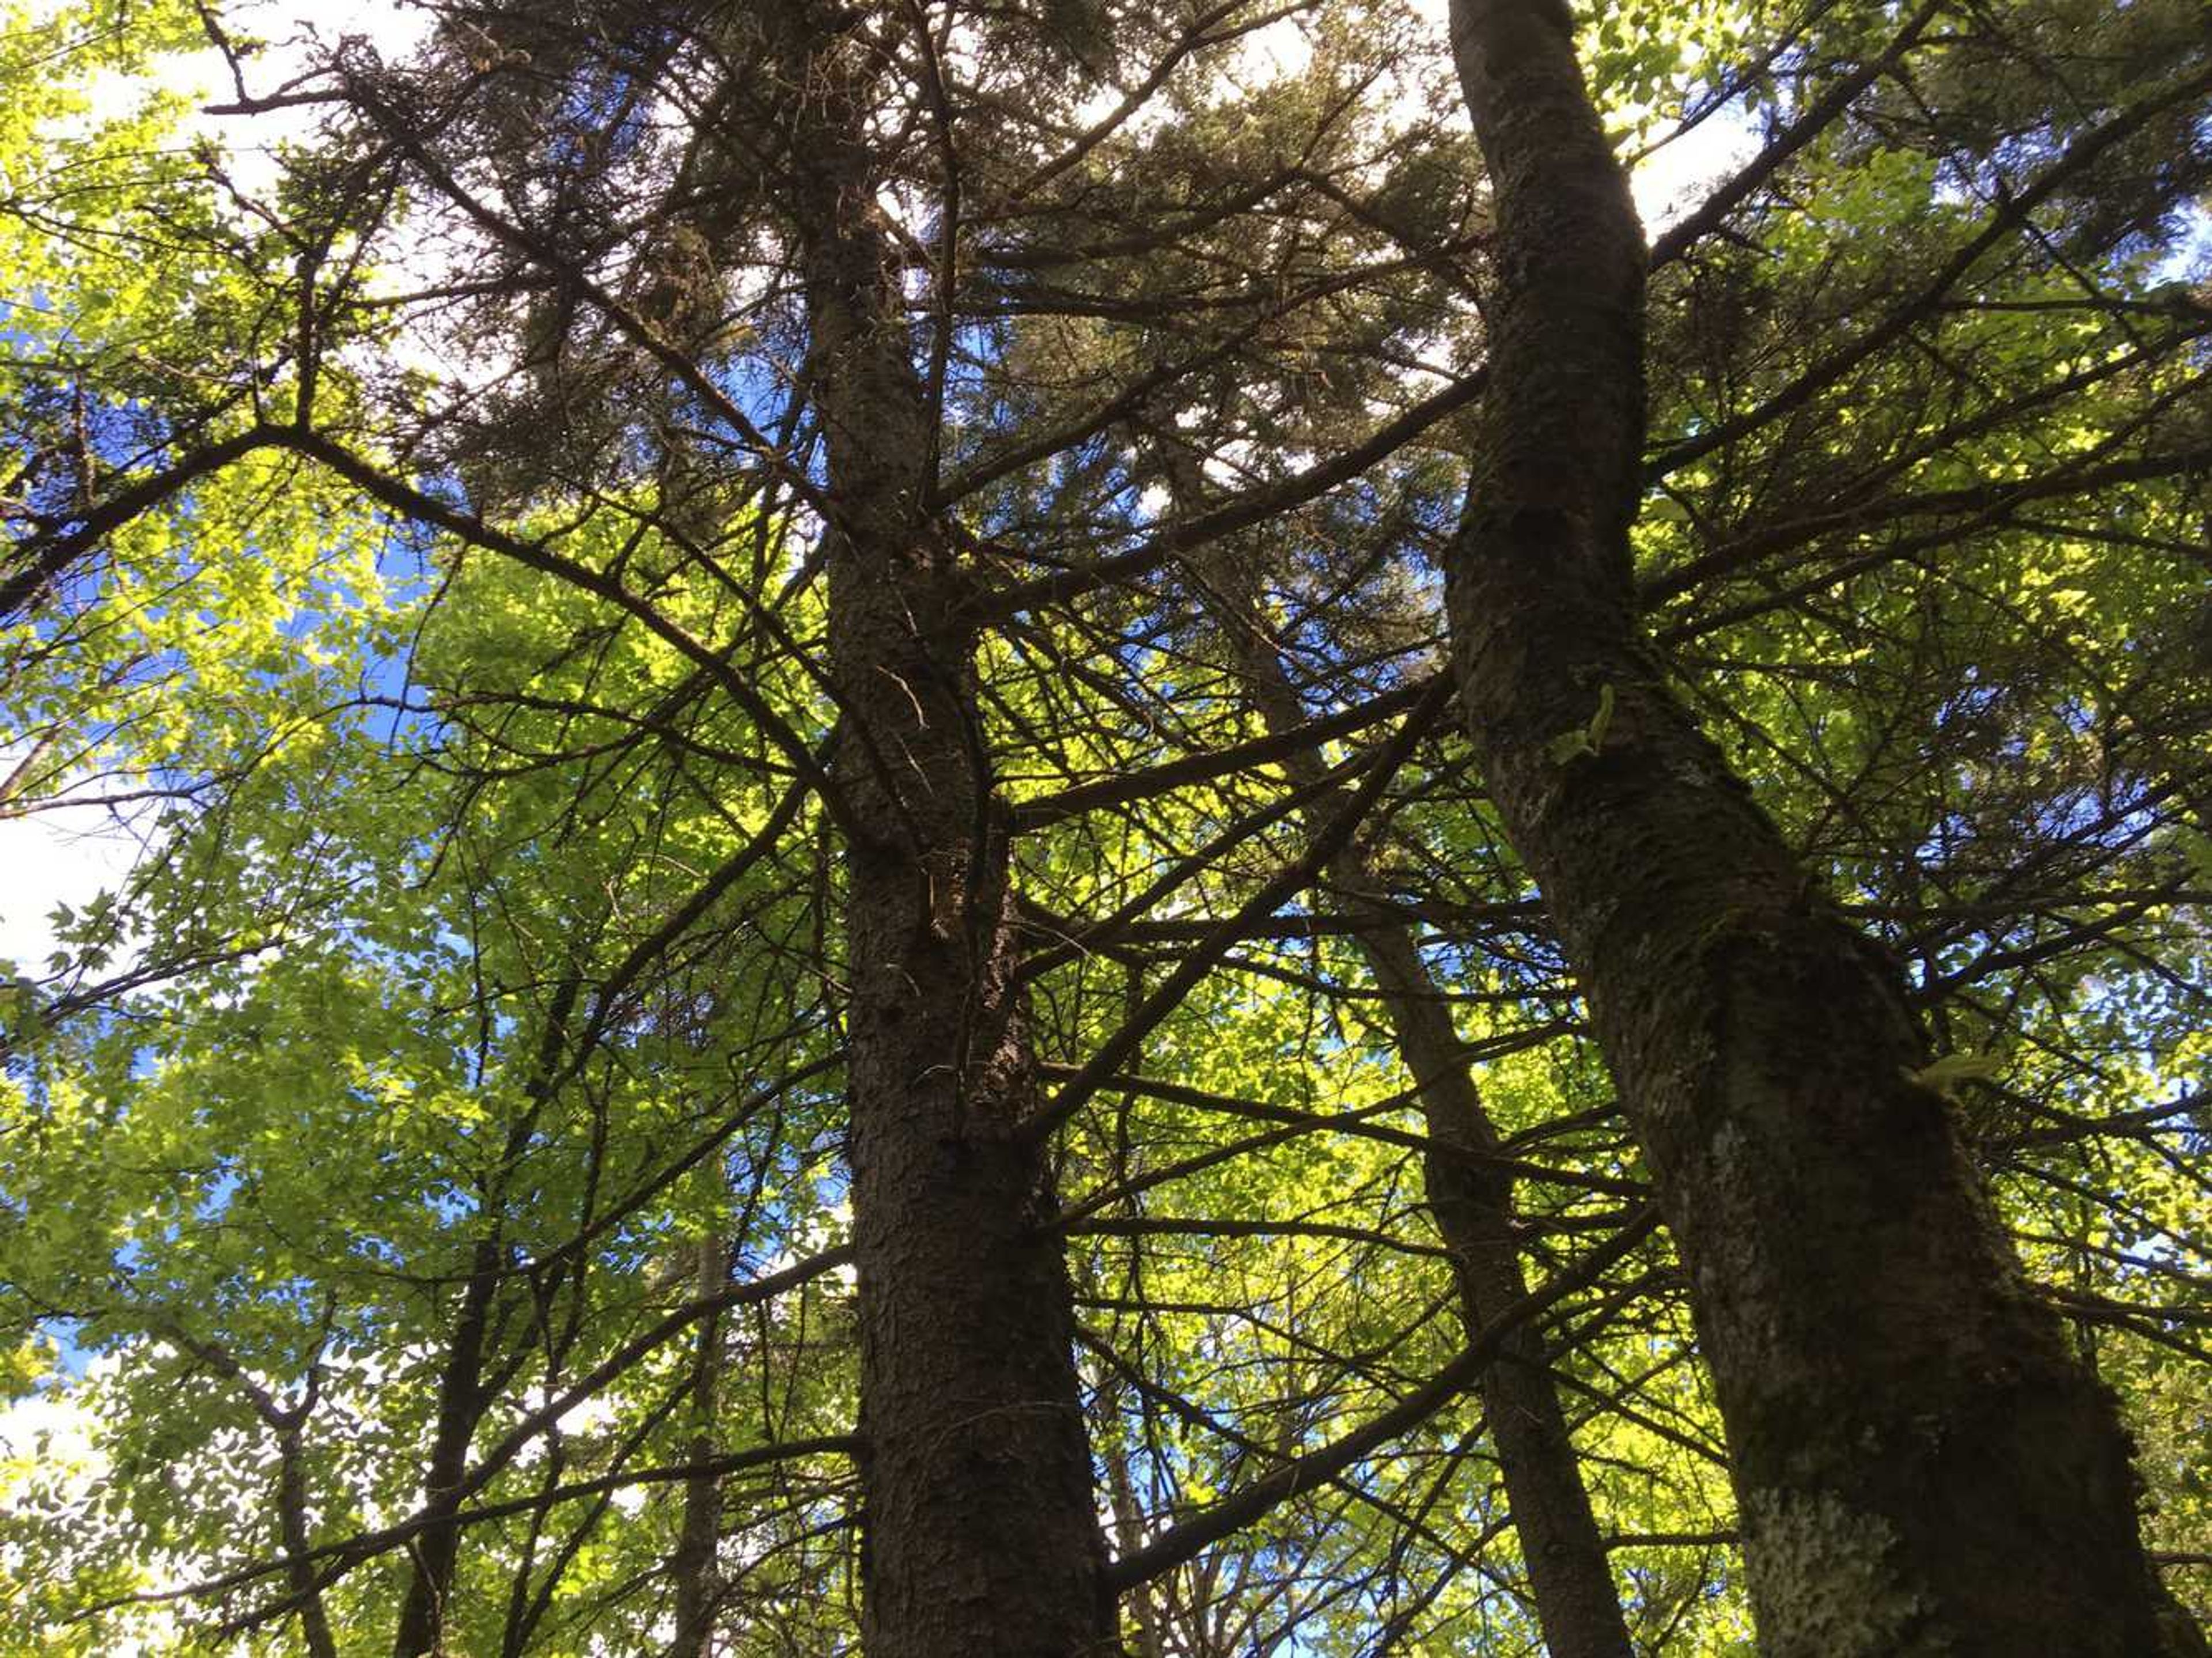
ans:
x=462 y=1398
x=698 y=1538
x=1129 y=1538
x=470 y=1380
x=1920 y=1466
x=299 y=1543
x=982 y=1534
x=1570 y=1583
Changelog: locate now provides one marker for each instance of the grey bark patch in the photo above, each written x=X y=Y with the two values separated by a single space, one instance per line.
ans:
x=1826 y=1573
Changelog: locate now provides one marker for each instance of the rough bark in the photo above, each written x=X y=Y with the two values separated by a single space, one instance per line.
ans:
x=981 y=1536
x=1570 y=1584
x=1920 y=1465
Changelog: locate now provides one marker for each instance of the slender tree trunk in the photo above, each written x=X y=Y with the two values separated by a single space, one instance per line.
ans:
x=461 y=1400
x=1921 y=1467
x=1129 y=1538
x=299 y=1570
x=470 y=1381
x=288 y=1424
x=981 y=1534
x=699 y=1535
x=1576 y=1604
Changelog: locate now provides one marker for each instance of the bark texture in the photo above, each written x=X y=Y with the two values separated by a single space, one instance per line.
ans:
x=982 y=1534
x=1576 y=1604
x=1922 y=1468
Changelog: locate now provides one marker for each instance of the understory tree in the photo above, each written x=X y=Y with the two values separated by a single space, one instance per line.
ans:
x=955 y=828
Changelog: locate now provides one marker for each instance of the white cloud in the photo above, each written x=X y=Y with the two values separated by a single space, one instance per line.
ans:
x=68 y=855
